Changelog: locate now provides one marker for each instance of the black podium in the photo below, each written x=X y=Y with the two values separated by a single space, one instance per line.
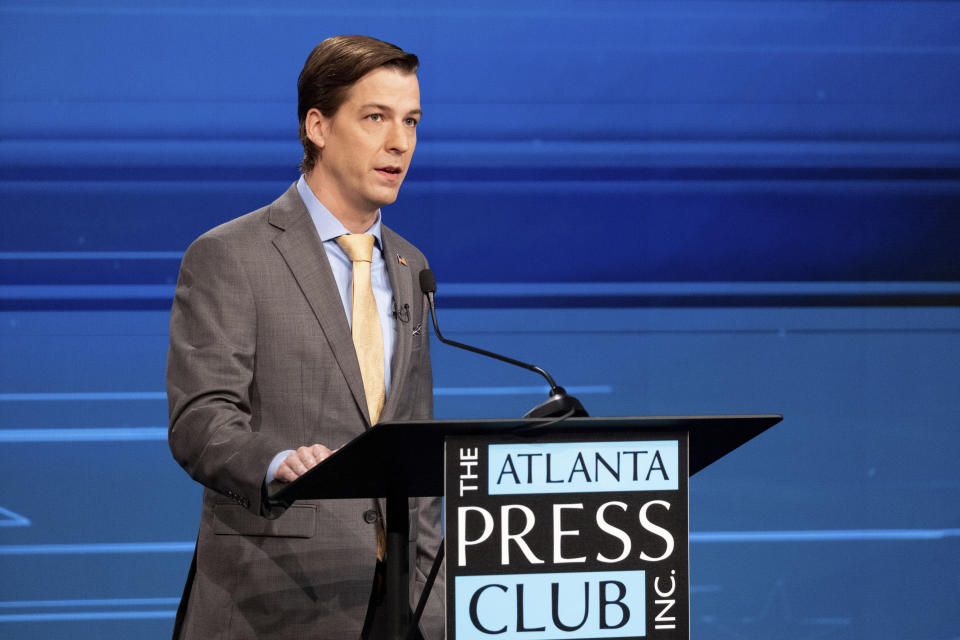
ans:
x=400 y=460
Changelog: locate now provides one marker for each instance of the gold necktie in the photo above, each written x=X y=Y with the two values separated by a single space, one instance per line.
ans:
x=365 y=321
x=368 y=341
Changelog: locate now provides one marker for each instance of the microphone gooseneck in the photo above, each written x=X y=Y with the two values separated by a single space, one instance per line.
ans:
x=557 y=405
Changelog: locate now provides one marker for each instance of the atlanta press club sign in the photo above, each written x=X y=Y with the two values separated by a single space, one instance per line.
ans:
x=574 y=539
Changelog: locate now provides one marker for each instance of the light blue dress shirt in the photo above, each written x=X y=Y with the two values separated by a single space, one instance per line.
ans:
x=329 y=229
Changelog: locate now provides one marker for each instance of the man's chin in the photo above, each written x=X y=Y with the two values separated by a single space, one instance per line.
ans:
x=384 y=197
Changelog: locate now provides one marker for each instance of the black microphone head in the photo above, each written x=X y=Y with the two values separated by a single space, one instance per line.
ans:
x=428 y=284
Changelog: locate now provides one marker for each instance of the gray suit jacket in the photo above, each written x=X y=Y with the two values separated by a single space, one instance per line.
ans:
x=261 y=360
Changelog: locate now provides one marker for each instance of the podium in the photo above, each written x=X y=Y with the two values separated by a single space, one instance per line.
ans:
x=399 y=460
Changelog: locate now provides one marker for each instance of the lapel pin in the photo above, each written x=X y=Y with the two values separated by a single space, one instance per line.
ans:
x=401 y=260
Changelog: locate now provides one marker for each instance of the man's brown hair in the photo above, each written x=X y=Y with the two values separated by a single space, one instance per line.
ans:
x=329 y=72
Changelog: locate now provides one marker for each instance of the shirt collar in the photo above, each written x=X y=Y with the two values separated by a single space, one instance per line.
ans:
x=328 y=227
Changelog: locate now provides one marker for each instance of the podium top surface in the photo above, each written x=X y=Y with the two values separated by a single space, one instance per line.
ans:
x=406 y=458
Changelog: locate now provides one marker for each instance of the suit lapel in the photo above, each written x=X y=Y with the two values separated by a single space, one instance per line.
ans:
x=401 y=283
x=303 y=252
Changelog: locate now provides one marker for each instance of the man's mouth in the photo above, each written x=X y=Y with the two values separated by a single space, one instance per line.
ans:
x=389 y=172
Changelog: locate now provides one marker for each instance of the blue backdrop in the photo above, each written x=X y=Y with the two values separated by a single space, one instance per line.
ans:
x=675 y=207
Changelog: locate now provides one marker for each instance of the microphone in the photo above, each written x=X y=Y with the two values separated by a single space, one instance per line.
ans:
x=401 y=313
x=558 y=405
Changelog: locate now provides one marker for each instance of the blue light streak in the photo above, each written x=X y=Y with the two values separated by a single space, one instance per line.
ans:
x=93 y=615
x=824 y=535
x=103 y=602
x=96 y=548
x=13 y=519
x=516 y=391
x=86 y=291
x=84 y=396
x=84 y=435
x=91 y=255
x=827 y=535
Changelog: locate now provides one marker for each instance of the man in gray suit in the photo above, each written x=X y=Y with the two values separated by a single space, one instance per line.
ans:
x=263 y=376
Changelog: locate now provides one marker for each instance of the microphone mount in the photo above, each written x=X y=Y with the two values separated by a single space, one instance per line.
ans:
x=559 y=404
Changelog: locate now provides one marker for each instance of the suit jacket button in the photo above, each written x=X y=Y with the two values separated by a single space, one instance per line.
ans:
x=370 y=516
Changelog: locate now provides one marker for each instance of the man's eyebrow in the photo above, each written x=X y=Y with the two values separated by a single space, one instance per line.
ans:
x=383 y=107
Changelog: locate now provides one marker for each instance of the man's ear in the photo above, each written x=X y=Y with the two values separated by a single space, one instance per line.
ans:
x=316 y=127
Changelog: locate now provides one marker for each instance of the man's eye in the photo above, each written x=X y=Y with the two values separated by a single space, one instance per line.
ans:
x=411 y=122
x=376 y=117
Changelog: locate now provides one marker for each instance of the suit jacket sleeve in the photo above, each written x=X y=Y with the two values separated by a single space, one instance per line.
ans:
x=210 y=369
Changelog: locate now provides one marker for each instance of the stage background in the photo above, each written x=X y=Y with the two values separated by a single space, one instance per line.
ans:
x=675 y=207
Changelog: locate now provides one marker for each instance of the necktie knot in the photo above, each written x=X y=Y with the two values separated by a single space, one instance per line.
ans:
x=357 y=246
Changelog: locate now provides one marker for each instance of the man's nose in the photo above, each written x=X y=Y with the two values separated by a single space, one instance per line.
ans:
x=398 y=138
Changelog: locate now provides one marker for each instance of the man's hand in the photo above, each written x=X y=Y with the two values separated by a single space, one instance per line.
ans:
x=300 y=461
